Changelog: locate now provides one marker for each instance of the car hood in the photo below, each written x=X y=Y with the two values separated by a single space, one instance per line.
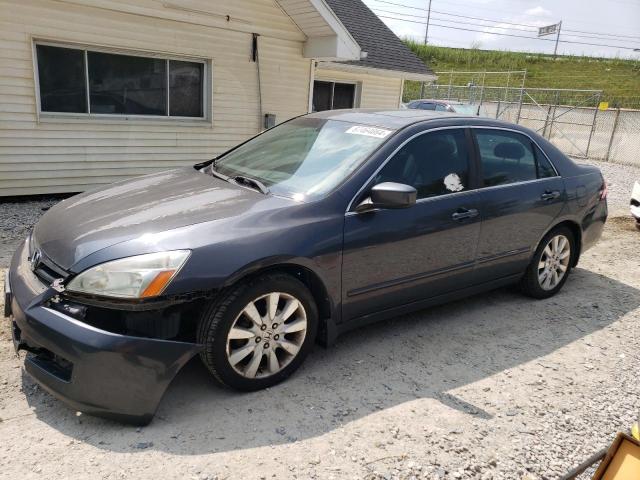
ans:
x=86 y=223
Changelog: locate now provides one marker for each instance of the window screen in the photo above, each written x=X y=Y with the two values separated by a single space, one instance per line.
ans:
x=343 y=94
x=506 y=157
x=186 y=89
x=322 y=96
x=118 y=84
x=62 y=80
x=435 y=164
x=127 y=85
x=333 y=95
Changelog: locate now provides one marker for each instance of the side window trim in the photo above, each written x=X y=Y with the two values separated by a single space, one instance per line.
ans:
x=473 y=172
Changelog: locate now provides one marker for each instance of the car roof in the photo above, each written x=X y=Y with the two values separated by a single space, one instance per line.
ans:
x=397 y=119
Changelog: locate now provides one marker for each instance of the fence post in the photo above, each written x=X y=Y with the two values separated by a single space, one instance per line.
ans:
x=546 y=123
x=484 y=74
x=613 y=133
x=553 y=115
x=593 y=125
x=520 y=105
x=498 y=109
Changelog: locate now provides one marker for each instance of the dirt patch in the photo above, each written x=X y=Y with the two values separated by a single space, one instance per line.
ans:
x=623 y=223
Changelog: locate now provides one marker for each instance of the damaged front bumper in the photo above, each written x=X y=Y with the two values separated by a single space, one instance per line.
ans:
x=93 y=370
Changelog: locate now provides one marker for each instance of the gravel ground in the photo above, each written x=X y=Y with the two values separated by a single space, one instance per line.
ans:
x=494 y=387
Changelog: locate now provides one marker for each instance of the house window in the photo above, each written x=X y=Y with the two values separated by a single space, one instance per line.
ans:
x=81 y=81
x=333 y=95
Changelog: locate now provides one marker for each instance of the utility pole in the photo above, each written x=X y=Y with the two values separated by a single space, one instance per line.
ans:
x=426 y=30
x=426 y=39
x=555 y=50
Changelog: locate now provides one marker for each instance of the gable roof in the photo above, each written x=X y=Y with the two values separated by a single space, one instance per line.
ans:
x=385 y=51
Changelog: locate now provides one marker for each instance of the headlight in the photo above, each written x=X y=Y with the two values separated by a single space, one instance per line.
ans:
x=141 y=276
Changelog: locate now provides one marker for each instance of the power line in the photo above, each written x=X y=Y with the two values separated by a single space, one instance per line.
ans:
x=454 y=14
x=376 y=9
x=496 y=20
x=507 y=34
x=609 y=34
x=447 y=20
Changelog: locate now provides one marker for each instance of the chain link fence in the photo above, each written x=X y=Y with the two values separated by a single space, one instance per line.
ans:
x=571 y=119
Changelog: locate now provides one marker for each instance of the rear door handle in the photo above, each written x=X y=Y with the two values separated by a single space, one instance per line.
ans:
x=464 y=213
x=550 y=195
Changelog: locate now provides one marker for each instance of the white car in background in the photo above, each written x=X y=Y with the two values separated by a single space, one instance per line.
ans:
x=635 y=203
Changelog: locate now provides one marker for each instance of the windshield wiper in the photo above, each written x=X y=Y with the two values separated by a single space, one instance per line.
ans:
x=251 y=182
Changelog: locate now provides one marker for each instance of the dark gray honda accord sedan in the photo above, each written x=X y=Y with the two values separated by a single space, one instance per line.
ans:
x=319 y=225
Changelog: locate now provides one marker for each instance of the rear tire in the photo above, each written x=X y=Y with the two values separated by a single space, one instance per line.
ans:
x=551 y=264
x=258 y=332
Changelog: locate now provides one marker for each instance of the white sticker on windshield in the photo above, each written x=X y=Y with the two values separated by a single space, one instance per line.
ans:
x=369 y=131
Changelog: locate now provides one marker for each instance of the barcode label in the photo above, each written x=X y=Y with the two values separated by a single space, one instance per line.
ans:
x=368 y=131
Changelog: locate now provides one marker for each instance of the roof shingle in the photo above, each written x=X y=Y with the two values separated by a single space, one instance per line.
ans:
x=384 y=49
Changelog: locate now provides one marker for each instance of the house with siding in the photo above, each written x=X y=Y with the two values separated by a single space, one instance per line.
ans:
x=96 y=91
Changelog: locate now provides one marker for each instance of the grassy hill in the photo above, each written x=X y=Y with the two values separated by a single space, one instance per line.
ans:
x=618 y=78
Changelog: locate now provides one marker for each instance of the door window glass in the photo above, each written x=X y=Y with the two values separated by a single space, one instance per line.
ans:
x=545 y=169
x=506 y=157
x=435 y=164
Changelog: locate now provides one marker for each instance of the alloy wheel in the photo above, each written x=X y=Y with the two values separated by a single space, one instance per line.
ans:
x=554 y=262
x=266 y=335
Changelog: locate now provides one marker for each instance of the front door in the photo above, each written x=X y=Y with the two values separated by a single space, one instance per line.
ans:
x=521 y=195
x=395 y=257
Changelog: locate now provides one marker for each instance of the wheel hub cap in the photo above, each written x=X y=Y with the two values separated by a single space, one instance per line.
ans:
x=266 y=335
x=554 y=262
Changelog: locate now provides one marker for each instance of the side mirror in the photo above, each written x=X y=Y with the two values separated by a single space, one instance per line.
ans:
x=389 y=195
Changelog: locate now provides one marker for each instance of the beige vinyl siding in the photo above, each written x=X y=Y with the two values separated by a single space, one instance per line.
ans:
x=375 y=91
x=53 y=153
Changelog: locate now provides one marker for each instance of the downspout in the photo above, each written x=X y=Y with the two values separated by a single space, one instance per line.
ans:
x=312 y=77
x=255 y=54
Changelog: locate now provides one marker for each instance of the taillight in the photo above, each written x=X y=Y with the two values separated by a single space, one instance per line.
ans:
x=603 y=190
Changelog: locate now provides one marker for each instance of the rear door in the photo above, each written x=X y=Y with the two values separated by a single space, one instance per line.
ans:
x=398 y=256
x=521 y=193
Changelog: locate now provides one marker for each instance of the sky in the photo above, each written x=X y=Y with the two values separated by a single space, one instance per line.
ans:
x=614 y=22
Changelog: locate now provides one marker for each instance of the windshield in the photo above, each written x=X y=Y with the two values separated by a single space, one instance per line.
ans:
x=303 y=158
x=466 y=109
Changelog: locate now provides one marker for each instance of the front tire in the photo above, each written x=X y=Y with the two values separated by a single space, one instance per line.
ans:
x=550 y=265
x=258 y=332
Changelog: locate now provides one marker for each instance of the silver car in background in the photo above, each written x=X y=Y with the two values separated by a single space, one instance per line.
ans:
x=443 y=106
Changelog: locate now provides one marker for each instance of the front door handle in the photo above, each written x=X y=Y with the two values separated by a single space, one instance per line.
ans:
x=550 y=195
x=464 y=213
